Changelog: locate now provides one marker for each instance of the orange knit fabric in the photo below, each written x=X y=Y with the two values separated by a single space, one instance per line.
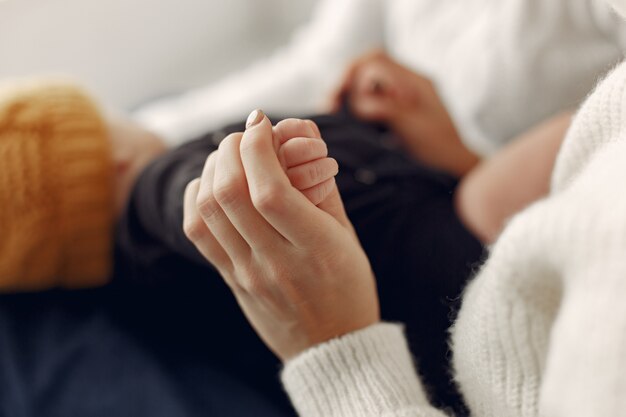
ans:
x=56 y=188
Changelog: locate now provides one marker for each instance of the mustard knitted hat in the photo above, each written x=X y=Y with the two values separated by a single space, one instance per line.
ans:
x=56 y=188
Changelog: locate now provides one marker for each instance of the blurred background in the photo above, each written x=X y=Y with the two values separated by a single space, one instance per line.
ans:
x=129 y=52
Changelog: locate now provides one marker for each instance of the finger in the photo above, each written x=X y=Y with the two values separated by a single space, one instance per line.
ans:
x=215 y=218
x=312 y=173
x=292 y=128
x=346 y=85
x=198 y=232
x=317 y=133
x=373 y=107
x=299 y=151
x=373 y=96
x=288 y=129
x=284 y=207
x=333 y=205
x=231 y=192
x=380 y=79
x=319 y=192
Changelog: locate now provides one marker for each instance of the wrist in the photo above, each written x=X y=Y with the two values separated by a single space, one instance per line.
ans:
x=319 y=335
x=434 y=141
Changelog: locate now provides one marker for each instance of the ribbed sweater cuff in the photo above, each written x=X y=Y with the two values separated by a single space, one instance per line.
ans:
x=366 y=373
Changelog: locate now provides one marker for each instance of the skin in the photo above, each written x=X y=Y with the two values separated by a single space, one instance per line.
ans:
x=379 y=89
x=297 y=269
x=491 y=190
x=511 y=180
x=305 y=159
x=133 y=149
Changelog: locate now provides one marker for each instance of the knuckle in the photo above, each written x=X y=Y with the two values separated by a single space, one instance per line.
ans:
x=230 y=142
x=294 y=127
x=294 y=122
x=253 y=285
x=194 y=228
x=302 y=124
x=315 y=147
x=314 y=172
x=286 y=123
x=229 y=139
x=192 y=185
x=207 y=206
x=268 y=199
x=228 y=192
x=303 y=149
x=250 y=147
x=212 y=155
x=249 y=281
x=333 y=166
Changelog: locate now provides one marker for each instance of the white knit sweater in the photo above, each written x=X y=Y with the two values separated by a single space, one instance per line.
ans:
x=542 y=330
x=501 y=66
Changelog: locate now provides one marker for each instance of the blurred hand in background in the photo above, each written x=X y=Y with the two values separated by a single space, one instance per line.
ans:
x=133 y=149
x=379 y=89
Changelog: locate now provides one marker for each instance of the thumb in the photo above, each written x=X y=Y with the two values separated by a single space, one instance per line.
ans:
x=273 y=196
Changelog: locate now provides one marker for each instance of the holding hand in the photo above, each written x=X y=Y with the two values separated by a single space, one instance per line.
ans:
x=376 y=88
x=381 y=90
x=297 y=270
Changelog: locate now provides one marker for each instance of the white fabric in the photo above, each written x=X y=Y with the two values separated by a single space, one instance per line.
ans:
x=619 y=5
x=129 y=52
x=542 y=329
x=501 y=65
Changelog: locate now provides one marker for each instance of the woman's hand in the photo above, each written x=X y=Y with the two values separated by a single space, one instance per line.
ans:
x=297 y=270
x=379 y=89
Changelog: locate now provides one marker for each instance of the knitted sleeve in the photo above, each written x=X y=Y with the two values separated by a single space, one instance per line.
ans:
x=542 y=330
x=587 y=356
x=366 y=373
x=296 y=80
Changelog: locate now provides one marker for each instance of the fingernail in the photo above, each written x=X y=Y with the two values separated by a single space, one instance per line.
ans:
x=254 y=119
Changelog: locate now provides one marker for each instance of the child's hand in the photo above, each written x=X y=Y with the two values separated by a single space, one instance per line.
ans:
x=304 y=157
x=281 y=255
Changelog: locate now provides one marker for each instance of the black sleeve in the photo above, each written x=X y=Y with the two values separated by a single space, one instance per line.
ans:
x=150 y=241
x=155 y=209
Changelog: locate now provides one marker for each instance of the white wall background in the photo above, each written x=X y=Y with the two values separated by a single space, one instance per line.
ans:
x=128 y=51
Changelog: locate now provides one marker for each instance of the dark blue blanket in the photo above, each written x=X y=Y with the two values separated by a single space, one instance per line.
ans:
x=89 y=353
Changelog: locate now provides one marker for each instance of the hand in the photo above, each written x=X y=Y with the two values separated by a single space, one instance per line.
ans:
x=133 y=149
x=376 y=88
x=379 y=89
x=305 y=159
x=297 y=270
